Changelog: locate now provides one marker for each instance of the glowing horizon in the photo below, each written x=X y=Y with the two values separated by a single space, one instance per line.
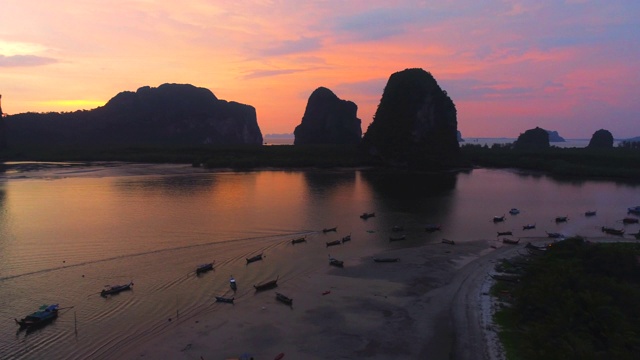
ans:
x=509 y=66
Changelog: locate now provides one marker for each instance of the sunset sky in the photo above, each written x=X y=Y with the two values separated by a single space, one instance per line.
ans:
x=571 y=66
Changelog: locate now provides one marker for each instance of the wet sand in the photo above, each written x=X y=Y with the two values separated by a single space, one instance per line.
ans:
x=426 y=306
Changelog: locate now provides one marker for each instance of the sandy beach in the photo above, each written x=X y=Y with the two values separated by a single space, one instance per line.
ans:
x=432 y=304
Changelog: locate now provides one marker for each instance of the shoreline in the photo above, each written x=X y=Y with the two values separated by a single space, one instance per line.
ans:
x=429 y=304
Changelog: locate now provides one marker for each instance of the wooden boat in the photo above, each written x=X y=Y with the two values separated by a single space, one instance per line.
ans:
x=365 y=216
x=554 y=235
x=335 y=262
x=504 y=233
x=283 y=298
x=333 y=243
x=386 y=260
x=224 y=299
x=514 y=211
x=630 y=220
x=266 y=285
x=254 y=258
x=432 y=227
x=529 y=227
x=299 y=240
x=510 y=241
x=590 y=213
x=447 y=241
x=44 y=315
x=326 y=230
x=634 y=210
x=397 y=238
x=498 y=219
x=561 y=219
x=612 y=231
x=279 y=356
x=232 y=284
x=204 y=268
x=110 y=290
x=397 y=228
x=346 y=238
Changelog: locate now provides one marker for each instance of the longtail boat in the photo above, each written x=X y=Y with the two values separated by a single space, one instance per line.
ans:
x=232 y=284
x=386 y=260
x=510 y=241
x=504 y=233
x=612 y=231
x=561 y=219
x=447 y=241
x=365 y=216
x=254 y=258
x=299 y=240
x=397 y=238
x=326 y=230
x=335 y=262
x=224 y=299
x=590 y=213
x=110 y=290
x=346 y=238
x=283 y=298
x=333 y=243
x=630 y=220
x=203 y=268
x=498 y=219
x=432 y=227
x=266 y=285
x=45 y=315
x=529 y=227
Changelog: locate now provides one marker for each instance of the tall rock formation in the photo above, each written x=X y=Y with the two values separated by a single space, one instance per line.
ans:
x=328 y=120
x=601 y=139
x=415 y=124
x=533 y=139
x=169 y=115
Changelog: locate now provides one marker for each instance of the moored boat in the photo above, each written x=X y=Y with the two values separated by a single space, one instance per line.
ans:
x=385 y=260
x=447 y=241
x=334 y=242
x=555 y=235
x=432 y=227
x=365 y=216
x=266 y=285
x=498 y=219
x=510 y=241
x=44 y=315
x=254 y=258
x=634 y=210
x=232 y=284
x=299 y=240
x=283 y=298
x=590 y=213
x=110 y=290
x=397 y=228
x=529 y=227
x=397 y=238
x=630 y=220
x=504 y=233
x=204 y=268
x=224 y=299
x=562 y=219
x=612 y=231
x=326 y=230
x=346 y=238
x=336 y=262
x=514 y=211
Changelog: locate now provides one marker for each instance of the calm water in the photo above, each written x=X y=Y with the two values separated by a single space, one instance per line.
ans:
x=67 y=231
